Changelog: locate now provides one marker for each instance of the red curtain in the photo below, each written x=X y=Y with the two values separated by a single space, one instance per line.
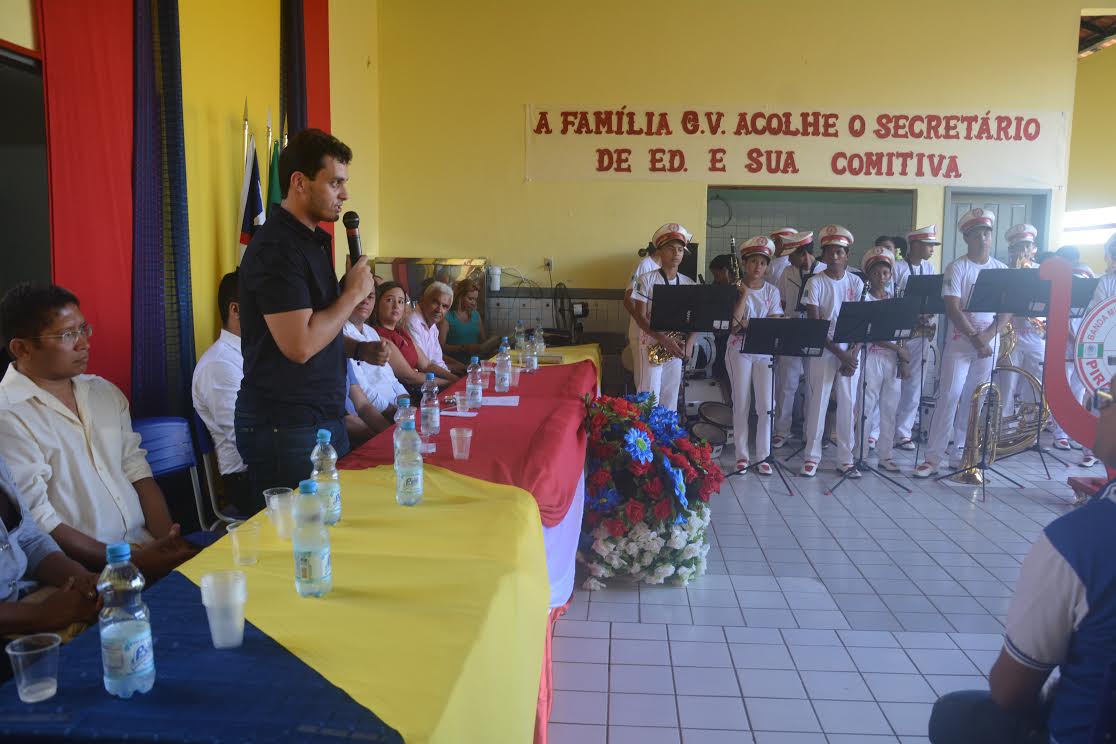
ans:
x=315 y=24
x=87 y=74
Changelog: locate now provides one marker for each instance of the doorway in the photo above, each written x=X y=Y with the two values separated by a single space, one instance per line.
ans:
x=1010 y=206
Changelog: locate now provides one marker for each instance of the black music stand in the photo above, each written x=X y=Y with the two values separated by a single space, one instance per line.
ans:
x=1081 y=294
x=992 y=293
x=928 y=289
x=862 y=323
x=693 y=308
x=775 y=337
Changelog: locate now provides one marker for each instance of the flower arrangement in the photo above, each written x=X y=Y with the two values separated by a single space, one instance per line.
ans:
x=647 y=493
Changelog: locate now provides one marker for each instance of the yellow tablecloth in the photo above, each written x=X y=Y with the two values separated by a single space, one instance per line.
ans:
x=575 y=354
x=438 y=612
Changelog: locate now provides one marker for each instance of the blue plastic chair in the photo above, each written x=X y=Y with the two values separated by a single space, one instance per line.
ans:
x=170 y=448
x=206 y=448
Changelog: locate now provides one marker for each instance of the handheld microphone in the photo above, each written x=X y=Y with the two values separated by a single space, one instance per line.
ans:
x=352 y=232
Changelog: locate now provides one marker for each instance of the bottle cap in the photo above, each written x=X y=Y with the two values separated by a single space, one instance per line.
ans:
x=118 y=552
x=474 y=360
x=503 y=348
x=307 y=486
x=407 y=425
x=324 y=436
x=429 y=376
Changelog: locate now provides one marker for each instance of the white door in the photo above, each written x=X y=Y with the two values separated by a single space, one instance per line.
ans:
x=1010 y=209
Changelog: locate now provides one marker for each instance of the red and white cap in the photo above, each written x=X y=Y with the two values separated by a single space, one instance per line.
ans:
x=782 y=232
x=928 y=234
x=835 y=234
x=877 y=254
x=672 y=231
x=792 y=243
x=761 y=245
x=1020 y=233
x=976 y=218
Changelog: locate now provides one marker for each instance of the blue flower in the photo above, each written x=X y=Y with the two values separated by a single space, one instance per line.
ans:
x=638 y=398
x=664 y=424
x=675 y=476
x=638 y=445
x=605 y=501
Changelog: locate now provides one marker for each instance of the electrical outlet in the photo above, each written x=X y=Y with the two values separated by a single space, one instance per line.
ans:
x=548 y=263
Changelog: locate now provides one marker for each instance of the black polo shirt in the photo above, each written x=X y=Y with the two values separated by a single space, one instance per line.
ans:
x=287 y=266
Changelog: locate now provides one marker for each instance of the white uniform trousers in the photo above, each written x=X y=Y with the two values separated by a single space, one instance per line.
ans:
x=748 y=373
x=1028 y=357
x=910 y=389
x=881 y=392
x=962 y=370
x=663 y=380
x=1079 y=392
x=788 y=376
x=639 y=359
x=823 y=376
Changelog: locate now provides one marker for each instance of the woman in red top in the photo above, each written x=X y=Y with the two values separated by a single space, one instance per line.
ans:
x=407 y=360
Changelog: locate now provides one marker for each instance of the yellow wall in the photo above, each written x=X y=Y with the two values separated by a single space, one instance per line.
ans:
x=1092 y=167
x=454 y=81
x=221 y=65
x=354 y=100
x=17 y=23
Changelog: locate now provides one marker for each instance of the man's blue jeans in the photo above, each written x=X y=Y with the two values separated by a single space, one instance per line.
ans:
x=972 y=717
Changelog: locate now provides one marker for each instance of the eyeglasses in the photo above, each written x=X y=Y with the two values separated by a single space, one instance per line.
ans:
x=69 y=338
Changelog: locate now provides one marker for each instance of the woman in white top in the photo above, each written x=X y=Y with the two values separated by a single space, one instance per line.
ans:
x=748 y=372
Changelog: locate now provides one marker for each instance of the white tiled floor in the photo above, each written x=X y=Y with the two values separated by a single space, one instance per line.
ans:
x=823 y=619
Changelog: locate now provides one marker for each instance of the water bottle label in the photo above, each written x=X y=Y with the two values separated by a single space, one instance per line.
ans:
x=126 y=656
x=410 y=482
x=333 y=500
x=313 y=565
x=503 y=382
x=431 y=420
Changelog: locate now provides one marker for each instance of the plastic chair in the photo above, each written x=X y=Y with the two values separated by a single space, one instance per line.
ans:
x=170 y=449
x=205 y=446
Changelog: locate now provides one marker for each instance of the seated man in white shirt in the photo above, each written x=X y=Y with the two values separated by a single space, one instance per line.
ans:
x=68 y=439
x=216 y=382
x=423 y=323
x=377 y=381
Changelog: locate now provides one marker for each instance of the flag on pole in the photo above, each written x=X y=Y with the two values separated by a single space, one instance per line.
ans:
x=251 y=199
x=273 y=194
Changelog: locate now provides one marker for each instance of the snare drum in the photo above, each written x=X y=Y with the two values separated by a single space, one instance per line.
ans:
x=711 y=433
x=717 y=414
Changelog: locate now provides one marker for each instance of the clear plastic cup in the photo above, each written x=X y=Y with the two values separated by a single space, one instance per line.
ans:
x=280 y=503
x=35 y=663
x=462 y=402
x=462 y=440
x=488 y=371
x=224 y=594
x=245 y=537
x=516 y=370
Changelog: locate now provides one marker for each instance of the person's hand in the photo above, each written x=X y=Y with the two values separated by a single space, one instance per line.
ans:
x=374 y=352
x=904 y=371
x=741 y=288
x=690 y=341
x=86 y=583
x=904 y=355
x=159 y=557
x=68 y=605
x=358 y=279
x=671 y=345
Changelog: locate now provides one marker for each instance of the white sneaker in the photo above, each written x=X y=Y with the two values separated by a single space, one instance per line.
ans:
x=890 y=466
x=925 y=470
x=1089 y=461
x=1062 y=444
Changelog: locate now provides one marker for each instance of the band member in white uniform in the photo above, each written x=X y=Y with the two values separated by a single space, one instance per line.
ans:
x=838 y=366
x=779 y=264
x=790 y=371
x=650 y=262
x=664 y=379
x=920 y=249
x=751 y=372
x=970 y=349
x=1030 y=333
x=886 y=363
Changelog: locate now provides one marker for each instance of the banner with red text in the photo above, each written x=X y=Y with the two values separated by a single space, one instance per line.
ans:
x=794 y=147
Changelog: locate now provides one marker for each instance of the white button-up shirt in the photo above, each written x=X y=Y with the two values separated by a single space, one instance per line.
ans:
x=378 y=382
x=71 y=470
x=215 y=385
x=426 y=337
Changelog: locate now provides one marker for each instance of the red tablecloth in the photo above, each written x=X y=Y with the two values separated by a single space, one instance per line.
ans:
x=538 y=446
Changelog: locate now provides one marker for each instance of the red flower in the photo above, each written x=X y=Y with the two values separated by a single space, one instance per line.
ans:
x=642 y=427
x=598 y=422
x=654 y=487
x=635 y=512
x=599 y=479
x=592 y=518
x=662 y=510
x=639 y=469
x=616 y=528
x=602 y=450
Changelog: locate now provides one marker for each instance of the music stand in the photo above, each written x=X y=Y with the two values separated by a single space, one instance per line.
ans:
x=928 y=289
x=774 y=337
x=862 y=323
x=693 y=308
x=992 y=293
x=1081 y=294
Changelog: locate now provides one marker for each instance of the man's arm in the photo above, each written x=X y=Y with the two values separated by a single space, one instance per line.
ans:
x=156 y=515
x=1014 y=686
x=86 y=550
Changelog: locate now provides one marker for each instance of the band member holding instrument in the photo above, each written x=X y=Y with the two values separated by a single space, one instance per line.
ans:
x=887 y=364
x=916 y=262
x=838 y=365
x=1030 y=333
x=649 y=262
x=789 y=370
x=748 y=372
x=671 y=241
x=776 y=268
x=970 y=349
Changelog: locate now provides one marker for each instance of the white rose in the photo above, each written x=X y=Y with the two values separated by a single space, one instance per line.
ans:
x=690 y=551
x=592 y=585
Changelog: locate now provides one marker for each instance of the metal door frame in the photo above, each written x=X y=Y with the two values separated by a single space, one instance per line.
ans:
x=1046 y=194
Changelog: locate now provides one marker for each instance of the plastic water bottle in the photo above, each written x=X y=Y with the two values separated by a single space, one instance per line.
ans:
x=430 y=409
x=540 y=339
x=474 y=384
x=403 y=413
x=408 y=466
x=127 y=654
x=323 y=460
x=503 y=370
x=520 y=335
x=312 y=565
x=530 y=356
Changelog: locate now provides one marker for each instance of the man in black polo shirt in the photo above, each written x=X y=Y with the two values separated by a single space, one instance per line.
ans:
x=291 y=315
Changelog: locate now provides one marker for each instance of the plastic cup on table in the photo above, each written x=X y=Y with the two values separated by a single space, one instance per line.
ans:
x=516 y=370
x=245 y=537
x=462 y=440
x=35 y=664
x=280 y=504
x=224 y=594
x=462 y=402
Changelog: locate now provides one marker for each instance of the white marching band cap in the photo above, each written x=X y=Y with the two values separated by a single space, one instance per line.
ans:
x=782 y=232
x=792 y=243
x=976 y=218
x=1020 y=233
x=835 y=234
x=761 y=245
x=1110 y=245
x=672 y=231
x=877 y=254
x=928 y=234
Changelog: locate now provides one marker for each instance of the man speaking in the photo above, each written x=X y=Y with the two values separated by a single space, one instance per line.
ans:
x=292 y=313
